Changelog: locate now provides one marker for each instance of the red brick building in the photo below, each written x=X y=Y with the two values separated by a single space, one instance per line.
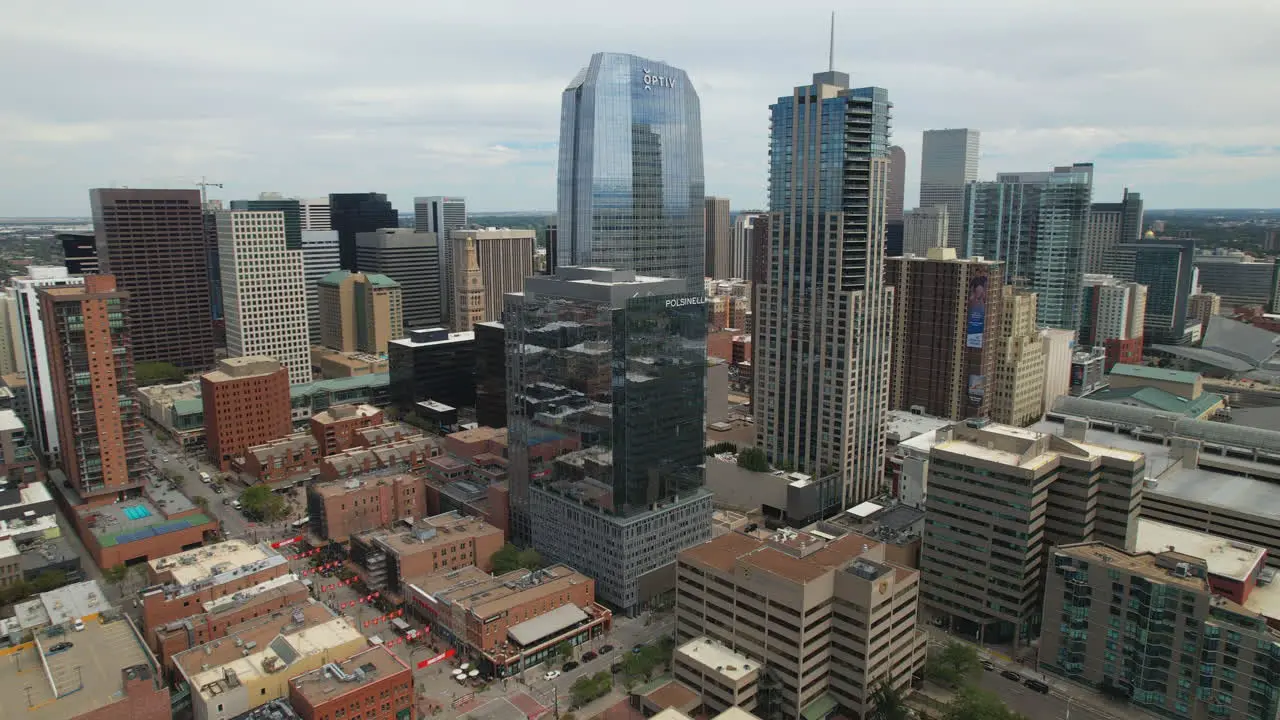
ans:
x=246 y=403
x=292 y=456
x=199 y=585
x=160 y=521
x=442 y=543
x=344 y=508
x=336 y=429
x=408 y=455
x=91 y=369
x=370 y=685
x=477 y=612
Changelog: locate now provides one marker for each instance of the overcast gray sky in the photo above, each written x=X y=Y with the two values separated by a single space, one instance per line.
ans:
x=1179 y=99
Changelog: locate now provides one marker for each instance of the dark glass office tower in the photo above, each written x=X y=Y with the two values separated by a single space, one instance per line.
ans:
x=491 y=374
x=605 y=422
x=79 y=252
x=291 y=208
x=630 y=179
x=354 y=213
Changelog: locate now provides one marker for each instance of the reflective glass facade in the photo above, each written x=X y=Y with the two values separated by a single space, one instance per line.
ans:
x=1036 y=223
x=630 y=178
x=823 y=313
x=605 y=396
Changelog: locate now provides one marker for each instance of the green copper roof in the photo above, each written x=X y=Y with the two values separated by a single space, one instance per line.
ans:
x=335 y=278
x=1147 y=372
x=1157 y=399
x=381 y=281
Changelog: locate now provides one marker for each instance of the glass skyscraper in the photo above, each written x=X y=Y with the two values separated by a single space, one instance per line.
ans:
x=823 y=312
x=1036 y=223
x=630 y=179
x=605 y=420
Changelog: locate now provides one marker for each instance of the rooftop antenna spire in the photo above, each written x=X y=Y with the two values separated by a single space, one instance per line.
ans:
x=831 y=56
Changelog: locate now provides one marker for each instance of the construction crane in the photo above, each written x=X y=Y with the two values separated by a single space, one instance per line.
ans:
x=204 y=190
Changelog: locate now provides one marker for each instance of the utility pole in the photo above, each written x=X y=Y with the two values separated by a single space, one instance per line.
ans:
x=204 y=190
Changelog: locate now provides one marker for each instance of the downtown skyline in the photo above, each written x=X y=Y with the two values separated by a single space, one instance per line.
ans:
x=193 y=99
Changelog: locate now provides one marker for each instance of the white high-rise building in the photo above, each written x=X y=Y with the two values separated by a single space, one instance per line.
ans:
x=948 y=160
x=315 y=213
x=438 y=214
x=24 y=293
x=263 y=294
x=924 y=228
x=823 y=324
x=741 y=255
x=320 y=256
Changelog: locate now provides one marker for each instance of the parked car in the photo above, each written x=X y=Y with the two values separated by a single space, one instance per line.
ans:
x=235 y=504
x=204 y=477
x=571 y=665
x=218 y=489
x=59 y=647
x=1037 y=685
x=1011 y=675
x=589 y=655
x=606 y=649
x=78 y=625
x=988 y=666
x=551 y=675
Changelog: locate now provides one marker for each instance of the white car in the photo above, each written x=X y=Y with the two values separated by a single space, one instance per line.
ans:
x=551 y=675
x=78 y=625
x=204 y=478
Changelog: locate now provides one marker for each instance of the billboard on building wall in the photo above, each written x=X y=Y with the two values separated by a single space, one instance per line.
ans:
x=977 y=388
x=976 y=311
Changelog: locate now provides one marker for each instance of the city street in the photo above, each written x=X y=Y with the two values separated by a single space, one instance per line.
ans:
x=170 y=460
x=1064 y=700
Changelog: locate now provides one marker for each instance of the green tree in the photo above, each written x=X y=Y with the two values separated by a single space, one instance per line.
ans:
x=589 y=687
x=49 y=580
x=954 y=665
x=263 y=505
x=202 y=501
x=975 y=704
x=530 y=559
x=115 y=573
x=155 y=373
x=888 y=703
x=16 y=592
x=721 y=447
x=754 y=459
x=505 y=559
x=565 y=650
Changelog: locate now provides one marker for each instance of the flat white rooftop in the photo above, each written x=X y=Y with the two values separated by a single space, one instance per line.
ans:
x=709 y=653
x=1225 y=558
x=192 y=565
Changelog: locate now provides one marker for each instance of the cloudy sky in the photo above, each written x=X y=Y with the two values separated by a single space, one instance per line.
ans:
x=1179 y=99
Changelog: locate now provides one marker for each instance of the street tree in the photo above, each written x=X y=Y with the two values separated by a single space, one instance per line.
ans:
x=974 y=704
x=954 y=665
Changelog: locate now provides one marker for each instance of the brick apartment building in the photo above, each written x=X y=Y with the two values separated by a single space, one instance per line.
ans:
x=336 y=429
x=299 y=456
x=294 y=456
x=246 y=403
x=340 y=509
x=442 y=543
x=485 y=615
x=183 y=590
x=370 y=685
x=406 y=455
